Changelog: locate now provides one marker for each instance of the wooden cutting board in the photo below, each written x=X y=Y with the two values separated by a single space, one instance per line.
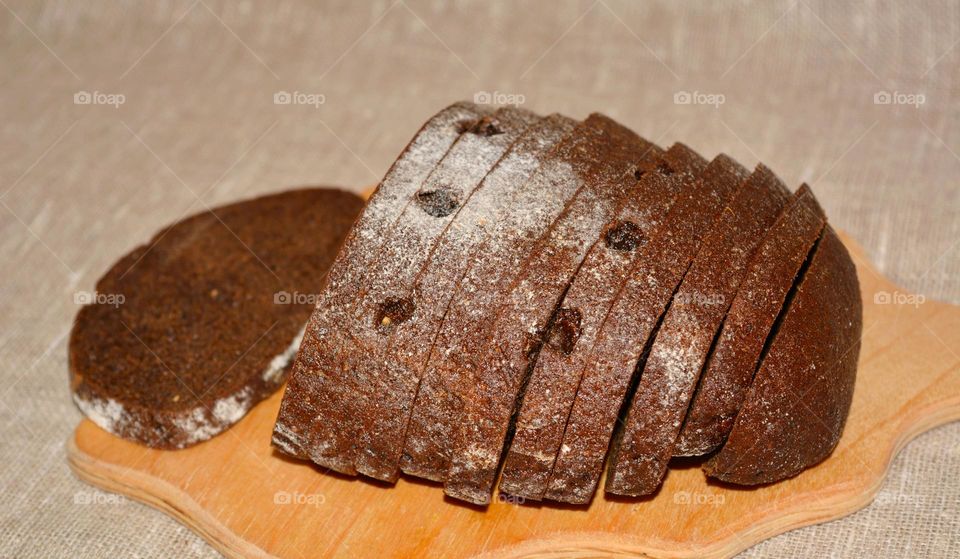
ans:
x=249 y=501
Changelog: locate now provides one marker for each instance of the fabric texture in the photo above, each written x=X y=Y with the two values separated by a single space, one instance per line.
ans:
x=117 y=118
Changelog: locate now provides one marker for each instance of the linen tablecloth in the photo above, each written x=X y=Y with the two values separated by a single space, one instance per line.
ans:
x=119 y=118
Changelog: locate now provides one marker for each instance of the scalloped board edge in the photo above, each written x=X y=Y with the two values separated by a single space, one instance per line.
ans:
x=248 y=501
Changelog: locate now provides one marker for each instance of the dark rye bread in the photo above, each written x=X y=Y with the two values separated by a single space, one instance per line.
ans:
x=429 y=426
x=393 y=372
x=796 y=407
x=210 y=315
x=760 y=299
x=346 y=278
x=553 y=382
x=496 y=369
x=343 y=400
x=511 y=326
x=645 y=443
x=631 y=320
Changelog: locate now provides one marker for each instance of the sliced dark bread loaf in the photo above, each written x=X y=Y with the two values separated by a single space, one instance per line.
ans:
x=530 y=285
x=645 y=443
x=382 y=304
x=393 y=371
x=796 y=407
x=553 y=382
x=478 y=294
x=315 y=364
x=774 y=268
x=496 y=369
x=630 y=322
x=208 y=315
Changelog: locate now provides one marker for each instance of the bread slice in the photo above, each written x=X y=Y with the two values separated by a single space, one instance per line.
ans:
x=478 y=294
x=796 y=407
x=197 y=326
x=631 y=320
x=496 y=369
x=393 y=370
x=341 y=399
x=556 y=374
x=302 y=399
x=760 y=298
x=638 y=460
x=383 y=305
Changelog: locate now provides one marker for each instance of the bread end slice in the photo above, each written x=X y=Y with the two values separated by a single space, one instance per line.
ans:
x=796 y=408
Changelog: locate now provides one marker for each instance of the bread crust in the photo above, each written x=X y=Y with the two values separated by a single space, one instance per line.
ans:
x=161 y=367
x=690 y=325
x=797 y=405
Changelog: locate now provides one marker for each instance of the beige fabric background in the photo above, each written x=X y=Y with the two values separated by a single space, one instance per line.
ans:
x=82 y=184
